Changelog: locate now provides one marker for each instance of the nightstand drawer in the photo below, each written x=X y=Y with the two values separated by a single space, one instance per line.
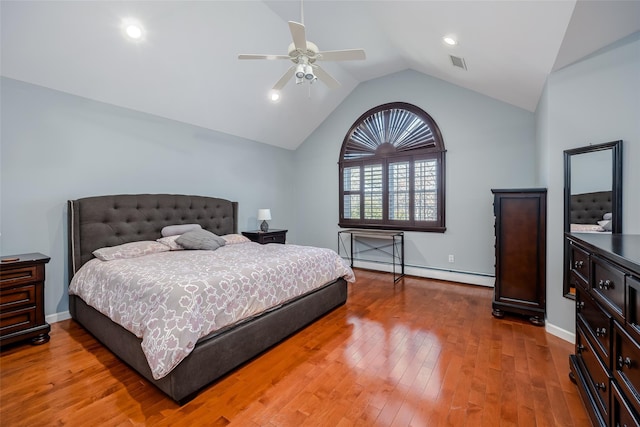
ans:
x=264 y=237
x=273 y=238
x=17 y=320
x=17 y=297
x=17 y=276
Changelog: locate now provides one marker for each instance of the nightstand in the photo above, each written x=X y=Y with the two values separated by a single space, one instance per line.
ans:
x=22 y=299
x=262 y=237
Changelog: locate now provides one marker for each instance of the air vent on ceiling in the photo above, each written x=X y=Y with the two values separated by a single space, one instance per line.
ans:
x=458 y=62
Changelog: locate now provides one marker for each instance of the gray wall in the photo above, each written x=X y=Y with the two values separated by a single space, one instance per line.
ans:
x=56 y=147
x=489 y=144
x=593 y=101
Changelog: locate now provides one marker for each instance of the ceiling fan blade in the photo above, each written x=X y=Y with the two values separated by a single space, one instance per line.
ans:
x=325 y=77
x=252 y=56
x=342 y=55
x=298 y=35
x=284 y=79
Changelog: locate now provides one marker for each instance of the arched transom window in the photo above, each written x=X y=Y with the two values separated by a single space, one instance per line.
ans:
x=392 y=171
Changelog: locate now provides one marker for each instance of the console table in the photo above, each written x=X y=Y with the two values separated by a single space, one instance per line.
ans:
x=392 y=245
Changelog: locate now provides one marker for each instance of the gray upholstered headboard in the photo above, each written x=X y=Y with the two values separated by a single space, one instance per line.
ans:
x=97 y=222
x=589 y=208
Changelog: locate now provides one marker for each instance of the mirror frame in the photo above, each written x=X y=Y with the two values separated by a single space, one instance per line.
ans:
x=616 y=198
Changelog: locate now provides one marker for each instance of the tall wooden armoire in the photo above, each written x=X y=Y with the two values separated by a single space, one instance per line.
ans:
x=521 y=247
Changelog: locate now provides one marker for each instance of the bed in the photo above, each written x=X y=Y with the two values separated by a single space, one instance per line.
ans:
x=111 y=221
x=591 y=212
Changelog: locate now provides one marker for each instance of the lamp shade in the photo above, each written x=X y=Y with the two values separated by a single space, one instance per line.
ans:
x=264 y=214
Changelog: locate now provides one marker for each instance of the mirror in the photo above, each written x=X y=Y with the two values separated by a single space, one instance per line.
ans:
x=592 y=195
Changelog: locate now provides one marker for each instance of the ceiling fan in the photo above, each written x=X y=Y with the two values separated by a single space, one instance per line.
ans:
x=304 y=56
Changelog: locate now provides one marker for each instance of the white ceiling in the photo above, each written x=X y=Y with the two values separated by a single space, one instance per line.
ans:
x=187 y=69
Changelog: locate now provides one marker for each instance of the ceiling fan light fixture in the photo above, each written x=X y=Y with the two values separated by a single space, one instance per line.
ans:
x=300 y=71
x=308 y=73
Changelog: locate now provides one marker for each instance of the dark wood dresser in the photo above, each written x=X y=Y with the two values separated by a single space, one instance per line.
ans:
x=22 y=299
x=521 y=248
x=605 y=270
x=264 y=237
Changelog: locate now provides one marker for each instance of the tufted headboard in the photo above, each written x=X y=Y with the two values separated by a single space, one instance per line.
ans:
x=97 y=222
x=589 y=208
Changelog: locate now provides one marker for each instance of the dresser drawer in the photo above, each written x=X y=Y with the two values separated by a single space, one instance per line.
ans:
x=633 y=305
x=17 y=276
x=17 y=320
x=20 y=296
x=622 y=414
x=576 y=282
x=596 y=373
x=608 y=286
x=597 y=323
x=580 y=265
x=626 y=359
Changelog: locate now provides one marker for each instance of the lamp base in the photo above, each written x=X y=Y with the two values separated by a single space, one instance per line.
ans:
x=264 y=227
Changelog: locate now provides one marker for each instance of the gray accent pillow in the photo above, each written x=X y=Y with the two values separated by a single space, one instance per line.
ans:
x=172 y=230
x=200 y=239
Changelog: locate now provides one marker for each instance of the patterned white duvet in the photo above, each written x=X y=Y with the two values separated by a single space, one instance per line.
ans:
x=171 y=299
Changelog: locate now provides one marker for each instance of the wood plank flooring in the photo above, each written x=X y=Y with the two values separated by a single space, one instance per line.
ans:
x=420 y=353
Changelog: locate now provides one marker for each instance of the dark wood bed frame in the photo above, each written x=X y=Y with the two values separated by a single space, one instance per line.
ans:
x=96 y=222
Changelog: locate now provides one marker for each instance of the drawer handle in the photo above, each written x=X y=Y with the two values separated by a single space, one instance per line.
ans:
x=601 y=386
x=579 y=305
x=581 y=348
x=622 y=362
x=578 y=264
x=601 y=332
x=605 y=284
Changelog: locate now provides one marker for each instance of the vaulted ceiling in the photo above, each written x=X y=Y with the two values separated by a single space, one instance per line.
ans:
x=186 y=68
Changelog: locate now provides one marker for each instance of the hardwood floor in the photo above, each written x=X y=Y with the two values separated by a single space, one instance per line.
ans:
x=420 y=353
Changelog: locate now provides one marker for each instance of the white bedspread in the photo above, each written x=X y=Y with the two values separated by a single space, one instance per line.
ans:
x=171 y=299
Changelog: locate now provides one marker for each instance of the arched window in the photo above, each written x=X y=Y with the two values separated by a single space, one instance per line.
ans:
x=392 y=171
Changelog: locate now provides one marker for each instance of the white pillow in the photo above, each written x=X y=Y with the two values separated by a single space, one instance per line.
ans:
x=582 y=228
x=172 y=230
x=605 y=224
x=232 y=239
x=171 y=242
x=130 y=250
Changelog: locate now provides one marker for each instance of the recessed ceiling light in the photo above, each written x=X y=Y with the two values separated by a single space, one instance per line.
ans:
x=274 y=96
x=450 y=40
x=132 y=29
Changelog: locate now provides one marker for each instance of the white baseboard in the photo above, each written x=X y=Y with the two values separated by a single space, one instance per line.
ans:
x=58 y=317
x=560 y=333
x=431 y=273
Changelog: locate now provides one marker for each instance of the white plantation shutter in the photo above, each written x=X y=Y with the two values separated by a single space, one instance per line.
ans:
x=392 y=171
